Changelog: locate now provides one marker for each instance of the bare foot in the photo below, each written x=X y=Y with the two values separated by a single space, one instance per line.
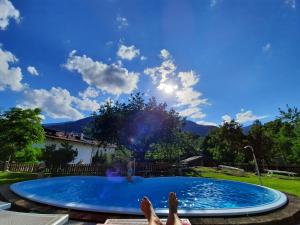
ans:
x=173 y=203
x=173 y=218
x=148 y=212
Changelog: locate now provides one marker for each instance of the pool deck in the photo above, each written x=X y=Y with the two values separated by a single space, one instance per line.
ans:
x=287 y=215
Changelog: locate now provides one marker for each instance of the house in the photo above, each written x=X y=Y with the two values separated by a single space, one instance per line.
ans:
x=85 y=147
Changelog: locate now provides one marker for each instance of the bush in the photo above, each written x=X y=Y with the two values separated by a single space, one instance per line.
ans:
x=62 y=156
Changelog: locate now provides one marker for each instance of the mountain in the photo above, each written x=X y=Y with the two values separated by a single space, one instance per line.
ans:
x=201 y=130
x=71 y=126
x=246 y=129
x=79 y=125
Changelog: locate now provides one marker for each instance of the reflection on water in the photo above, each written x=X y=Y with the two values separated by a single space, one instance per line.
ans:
x=193 y=193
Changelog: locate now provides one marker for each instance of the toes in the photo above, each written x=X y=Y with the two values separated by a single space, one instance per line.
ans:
x=172 y=196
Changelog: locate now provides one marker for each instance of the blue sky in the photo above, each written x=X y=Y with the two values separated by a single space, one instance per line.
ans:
x=212 y=60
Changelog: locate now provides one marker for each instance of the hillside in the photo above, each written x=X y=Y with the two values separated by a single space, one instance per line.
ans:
x=79 y=125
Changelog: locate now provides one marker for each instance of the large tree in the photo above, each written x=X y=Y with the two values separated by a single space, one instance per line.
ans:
x=225 y=143
x=135 y=124
x=261 y=142
x=20 y=128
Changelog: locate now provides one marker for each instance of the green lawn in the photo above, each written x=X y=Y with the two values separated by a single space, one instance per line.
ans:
x=11 y=177
x=281 y=183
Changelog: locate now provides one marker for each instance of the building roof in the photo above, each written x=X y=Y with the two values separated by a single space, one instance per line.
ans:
x=71 y=137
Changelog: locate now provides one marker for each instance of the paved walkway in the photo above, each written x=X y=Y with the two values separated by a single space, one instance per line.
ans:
x=73 y=222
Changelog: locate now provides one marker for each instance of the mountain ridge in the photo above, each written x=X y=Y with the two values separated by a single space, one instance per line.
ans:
x=79 y=125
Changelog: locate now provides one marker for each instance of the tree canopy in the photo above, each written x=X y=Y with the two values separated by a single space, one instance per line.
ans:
x=136 y=124
x=61 y=156
x=277 y=141
x=20 y=128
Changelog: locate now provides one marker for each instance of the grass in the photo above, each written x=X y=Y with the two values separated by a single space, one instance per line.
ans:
x=282 y=183
x=12 y=177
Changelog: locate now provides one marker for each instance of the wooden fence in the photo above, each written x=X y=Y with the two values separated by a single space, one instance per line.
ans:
x=141 y=169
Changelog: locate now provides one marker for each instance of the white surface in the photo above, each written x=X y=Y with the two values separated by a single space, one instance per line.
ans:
x=85 y=151
x=5 y=205
x=17 y=218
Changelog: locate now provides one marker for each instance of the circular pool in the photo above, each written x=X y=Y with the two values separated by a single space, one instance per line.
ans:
x=197 y=196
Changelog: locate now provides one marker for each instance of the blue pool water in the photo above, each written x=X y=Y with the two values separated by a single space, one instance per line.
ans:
x=197 y=196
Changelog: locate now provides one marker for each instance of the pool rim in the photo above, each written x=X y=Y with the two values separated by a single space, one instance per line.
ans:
x=264 y=208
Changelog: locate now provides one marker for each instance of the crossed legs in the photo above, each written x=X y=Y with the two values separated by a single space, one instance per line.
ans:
x=151 y=216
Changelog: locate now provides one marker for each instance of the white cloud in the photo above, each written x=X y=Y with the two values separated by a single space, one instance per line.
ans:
x=32 y=70
x=122 y=22
x=190 y=97
x=86 y=104
x=243 y=117
x=247 y=116
x=10 y=77
x=7 y=12
x=165 y=54
x=128 y=52
x=290 y=3
x=42 y=117
x=213 y=3
x=226 y=118
x=267 y=48
x=198 y=115
x=56 y=103
x=113 y=78
x=188 y=112
x=188 y=79
x=206 y=123
x=161 y=73
x=90 y=92
x=109 y=43
x=143 y=58
x=188 y=101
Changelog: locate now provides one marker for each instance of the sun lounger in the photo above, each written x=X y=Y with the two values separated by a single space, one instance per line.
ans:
x=234 y=169
x=17 y=218
x=138 y=221
x=271 y=172
x=4 y=205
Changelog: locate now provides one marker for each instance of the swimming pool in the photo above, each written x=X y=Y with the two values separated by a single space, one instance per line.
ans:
x=197 y=196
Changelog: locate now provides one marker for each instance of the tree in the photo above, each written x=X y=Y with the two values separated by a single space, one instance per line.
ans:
x=20 y=129
x=291 y=116
x=295 y=156
x=284 y=134
x=98 y=158
x=122 y=154
x=62 y=156
x=226 y=143
x=260 y=141
x=164 y=151
x=135 y=125
x=183 y=145
x=29 y=154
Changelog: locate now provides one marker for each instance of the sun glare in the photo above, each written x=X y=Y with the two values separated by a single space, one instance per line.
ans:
x=167 y=88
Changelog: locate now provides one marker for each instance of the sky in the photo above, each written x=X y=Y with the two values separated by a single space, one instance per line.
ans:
x=211 y=60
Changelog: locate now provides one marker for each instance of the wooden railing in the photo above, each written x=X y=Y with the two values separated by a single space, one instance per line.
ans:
x=141 y=169
x=23 y=167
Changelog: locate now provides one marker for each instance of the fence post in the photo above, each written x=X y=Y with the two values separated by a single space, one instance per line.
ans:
x=6 y=166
